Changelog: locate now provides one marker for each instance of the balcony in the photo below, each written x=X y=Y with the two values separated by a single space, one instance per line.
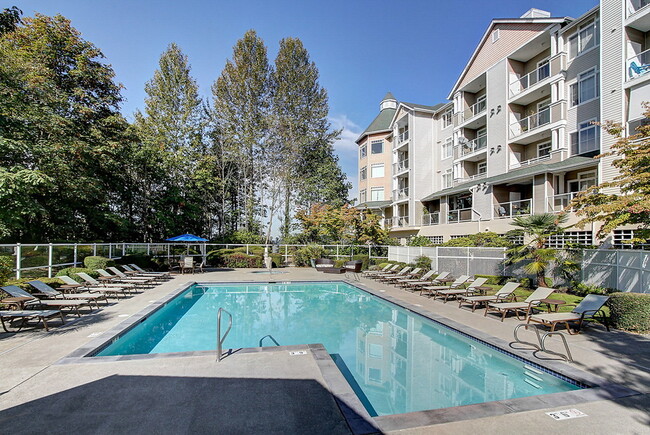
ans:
x=431 y=219
x=634 y=6
x=558 y=203
x=535 y=127
x=471 y=147
x=400 y=194
x=401 y=166
x=638 y=15
x=551 y=157
x=459 y=215
x=638 y=65
x=533 y=86
x=512 y=209
x=402 y=139
x=470 y=116
x=470 y=178
x=400 y=222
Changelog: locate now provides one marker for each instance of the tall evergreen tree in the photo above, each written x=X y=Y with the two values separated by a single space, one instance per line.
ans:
x=241 y=114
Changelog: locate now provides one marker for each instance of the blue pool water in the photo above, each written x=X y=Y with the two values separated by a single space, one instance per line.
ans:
x=395 y=360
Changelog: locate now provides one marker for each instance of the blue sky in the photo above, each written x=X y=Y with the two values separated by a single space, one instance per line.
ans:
x=415 y=49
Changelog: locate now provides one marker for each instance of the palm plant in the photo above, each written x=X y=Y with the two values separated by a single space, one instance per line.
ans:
x=537 y=229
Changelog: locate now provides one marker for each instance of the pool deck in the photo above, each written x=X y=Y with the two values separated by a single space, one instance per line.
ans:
x=271 y=390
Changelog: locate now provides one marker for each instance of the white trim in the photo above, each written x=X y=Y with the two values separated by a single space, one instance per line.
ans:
x=584 y=74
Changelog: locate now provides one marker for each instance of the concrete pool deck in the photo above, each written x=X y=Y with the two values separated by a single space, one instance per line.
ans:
x=270 y=391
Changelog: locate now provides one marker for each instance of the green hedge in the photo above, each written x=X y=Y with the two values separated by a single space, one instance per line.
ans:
x=630 y=311
x=303 y=256
x=582 y=289
x=97 y=262
x=424 y=263
x=241 y=260
x=493 y=279
x=142 y=260
x=72 y=273
x=364 y=259
x=6 y=267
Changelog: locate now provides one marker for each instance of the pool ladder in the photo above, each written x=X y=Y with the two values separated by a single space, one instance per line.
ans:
x=541 y=339
x=221 y=339
x=269 y=336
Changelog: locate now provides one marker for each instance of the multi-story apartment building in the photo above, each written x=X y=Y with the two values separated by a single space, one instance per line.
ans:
x=518 y=135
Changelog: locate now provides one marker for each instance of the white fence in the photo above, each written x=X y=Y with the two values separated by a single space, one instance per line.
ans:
x=49 y=257
x=625 y=270
x=457 y=261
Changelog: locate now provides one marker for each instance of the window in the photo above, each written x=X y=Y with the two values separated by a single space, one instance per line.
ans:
x=362 y=196
x=436 y=240
x=584 y=39
x=585 y=89
x=586 y=139
x=457 y=236
x=447 y=179
x=584 y=182
x=495 y=35
x=375 y=351
x=570 y=238
x=377 y=170
x=543 y=70
x=446 y=119
x=448 y=148
x=377 y=194
x=377 y=146
x=363 y=151
x=363 y=173
x=544 y=149
x=374 y=375
x=481 y=167
x=620 y=237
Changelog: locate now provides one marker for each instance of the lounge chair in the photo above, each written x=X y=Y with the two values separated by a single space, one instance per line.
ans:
x=143 y=272
x=639 y=69
x=424 y=279
x=409 y=275
x=367 y=273
x=121 y=276
x=457 y=292
x=433 y=290
x=395 y=268
x=47 y=291
x=434 y=281
x=526 y=306
x=323 y=263
x=124 y=279
x=390 y=276
x=588 y=308
x=74 y=305
x=107 y=285
x=108 y=291
x=503 y=294
x=25 y=315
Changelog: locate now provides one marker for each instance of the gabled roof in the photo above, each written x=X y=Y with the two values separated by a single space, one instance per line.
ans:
x=380 y=124
x=389 y=96
x=373 y=205
x=423 y=107
x=493 y=23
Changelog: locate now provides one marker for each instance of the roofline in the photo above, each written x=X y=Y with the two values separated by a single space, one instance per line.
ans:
x=368 y=133
x=401 y=103
x=445 y=106
x=580 y=19
x=487 y=33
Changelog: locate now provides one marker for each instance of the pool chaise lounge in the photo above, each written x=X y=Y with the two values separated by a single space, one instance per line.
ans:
x=25 y=315
x=410 y=275
x=526 y=306
x=33 y=301
x=433 y=290
x=391 y=271
x=141 y=272
x=503 y=294
x=108 y=291
x=111 y=286
x=406 y=283
x=458 y=292
x=368 y=273
x=116 y=279
x=124 y=277
x=590 y=307
x=388 y=277
x=433 y=281
x=47 y=291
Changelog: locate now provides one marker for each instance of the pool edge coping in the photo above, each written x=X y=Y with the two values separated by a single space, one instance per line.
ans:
x=355 y=414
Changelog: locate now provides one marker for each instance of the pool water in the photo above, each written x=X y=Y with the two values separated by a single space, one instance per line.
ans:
x=395 y=360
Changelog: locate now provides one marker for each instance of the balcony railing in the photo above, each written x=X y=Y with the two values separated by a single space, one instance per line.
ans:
x=472 y=111
x=400 y=166
x=399 y=194
x=557 y=203
x=404 y=136
x=470 y=178
x=513 y=208
x=543 y=72
x=546 y=116
x=530 y=162
x=400 y=221
x=638 y=65
x=459 y=215
x=431 y=219
x=472 y=146
x=634 y=6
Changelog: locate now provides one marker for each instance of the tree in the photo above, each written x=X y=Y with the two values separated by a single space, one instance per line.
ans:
x=241 y=106
x=10 y=19
x=630 y=204
x=324 y=223
x=537 y=228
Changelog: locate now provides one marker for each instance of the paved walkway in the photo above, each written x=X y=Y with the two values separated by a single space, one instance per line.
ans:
x=264 y=392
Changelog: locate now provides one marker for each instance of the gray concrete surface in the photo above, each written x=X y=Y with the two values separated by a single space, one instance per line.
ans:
x=264 y=392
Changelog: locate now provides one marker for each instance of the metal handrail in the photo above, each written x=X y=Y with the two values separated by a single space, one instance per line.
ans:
x=542 y=338
x=220 y=339
x=272 y=339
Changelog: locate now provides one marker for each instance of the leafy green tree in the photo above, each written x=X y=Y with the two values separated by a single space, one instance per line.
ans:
x=10 y=19
x=626 y=199
x=537 y=229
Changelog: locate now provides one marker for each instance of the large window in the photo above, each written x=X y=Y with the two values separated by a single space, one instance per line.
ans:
x=585 y=89
x=448 y=148
x=363 y=151
x=362 y=196
x=586 y=139
x=447 y=179
x=584 y=39
x=544 y=149
x=446 y=119
x=377 y=194
x=584 y=181
x=377 y=170
x=363 y=173
x=377 y=146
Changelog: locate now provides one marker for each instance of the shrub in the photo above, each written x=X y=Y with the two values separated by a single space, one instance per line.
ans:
x=339 y=263
x=303 y=256
x=240 y=260
x=142 y=260
x=22 y=283
x=493 y=279
x=278 y=260
x=96 y=262
x=630 y=311
x=6 y=267
x=364 y=259
x=216 y=257
x=419 y=241
x=486 y=239
x=584 y=289
x=423 y=262
x=72 y=273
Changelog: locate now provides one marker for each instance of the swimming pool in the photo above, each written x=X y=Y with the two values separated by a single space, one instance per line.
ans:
x=395 y=360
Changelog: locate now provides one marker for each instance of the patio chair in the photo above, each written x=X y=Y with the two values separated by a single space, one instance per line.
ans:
x=402 y=273
x=108 y=291
x=433 y=281
x=25 y=315
x=639 y=69
x=187 y=264
x=409 y=275
x=143 y=272
x=410 y=282
x=33 y=301
x=433 y=290
x=504 y=293
x=121 y=276
x=108 y=287
x=590 y=307
x=47 y=291
x=395 y=268
x=457 y=292
x=525 y=306
x=368 y=273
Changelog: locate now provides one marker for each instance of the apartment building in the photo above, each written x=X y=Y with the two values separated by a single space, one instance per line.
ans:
x=517 y=135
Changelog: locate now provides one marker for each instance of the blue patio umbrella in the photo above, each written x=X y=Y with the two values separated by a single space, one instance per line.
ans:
x=189 y=238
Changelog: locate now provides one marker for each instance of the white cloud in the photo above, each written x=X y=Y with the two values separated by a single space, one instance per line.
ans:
x=346 y=148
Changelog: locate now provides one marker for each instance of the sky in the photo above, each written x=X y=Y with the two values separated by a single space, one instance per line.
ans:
x=416 y=49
